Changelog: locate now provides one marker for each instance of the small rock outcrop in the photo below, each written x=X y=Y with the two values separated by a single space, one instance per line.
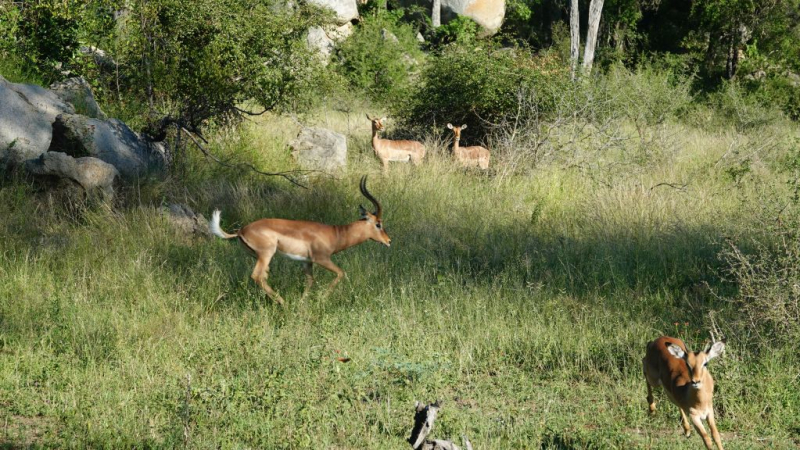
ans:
x=489 y=14
x=26 y=116
x=109 y=140
x=346 y=10
x=320 y=149
x=84 y=176
x=61 y=136
x=318 y=41
x=186 y=221
x=323 y=40
x=78 y=93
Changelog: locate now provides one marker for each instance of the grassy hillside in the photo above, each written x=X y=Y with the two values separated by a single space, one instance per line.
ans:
x=523 y=299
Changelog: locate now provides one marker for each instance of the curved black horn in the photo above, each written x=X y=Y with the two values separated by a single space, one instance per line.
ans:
x=378 y=209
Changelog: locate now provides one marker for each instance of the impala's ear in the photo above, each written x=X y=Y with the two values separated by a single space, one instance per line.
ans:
x=715 y=350
x=362 y=211
x=383 y=118
x=450 y=126
x=675 y=351
x=464 y=127
x=368 y=117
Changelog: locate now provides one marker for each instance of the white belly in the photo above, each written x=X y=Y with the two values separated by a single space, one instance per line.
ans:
x=296 y=257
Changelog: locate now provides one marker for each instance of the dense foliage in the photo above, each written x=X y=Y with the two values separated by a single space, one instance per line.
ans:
x=381 y=58
x=189 y=61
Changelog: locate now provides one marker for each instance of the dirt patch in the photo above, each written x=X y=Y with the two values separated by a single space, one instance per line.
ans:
x=23 y=432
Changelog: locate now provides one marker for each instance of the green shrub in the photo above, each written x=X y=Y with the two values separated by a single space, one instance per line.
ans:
x=44 y=34
x=741 y=109
x=768 y=279
x=462 y=30
x=784 y=92
x=380 y=58
x=645 y=95
x=476 y=85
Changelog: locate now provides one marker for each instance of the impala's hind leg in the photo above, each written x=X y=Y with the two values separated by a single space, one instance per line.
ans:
x=309 y=270
x=261 y=272
x=651 y=400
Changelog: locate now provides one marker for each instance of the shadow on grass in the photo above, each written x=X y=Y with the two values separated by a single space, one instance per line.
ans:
x=513 y=252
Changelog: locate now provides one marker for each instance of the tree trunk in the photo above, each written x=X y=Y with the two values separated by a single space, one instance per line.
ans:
x=595 y=10
x=732 y=63
x=574 y=36
x=436 y=14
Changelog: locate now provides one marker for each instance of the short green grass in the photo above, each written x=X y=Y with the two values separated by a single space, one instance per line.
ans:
x=522 y=299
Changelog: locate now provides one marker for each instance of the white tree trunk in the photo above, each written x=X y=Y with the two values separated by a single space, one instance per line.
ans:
x=595 y=10
x=574 y=36
x=436 y=13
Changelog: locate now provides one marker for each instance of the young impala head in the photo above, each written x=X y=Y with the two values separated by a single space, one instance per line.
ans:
x=377 y=122
x=697 y=363
x=684 y=375
x=457 y=130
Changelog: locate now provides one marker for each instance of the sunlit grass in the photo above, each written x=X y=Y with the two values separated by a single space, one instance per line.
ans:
x=524 y=302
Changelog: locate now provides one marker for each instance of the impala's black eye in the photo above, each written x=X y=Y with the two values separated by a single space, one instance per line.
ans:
x=378 y=225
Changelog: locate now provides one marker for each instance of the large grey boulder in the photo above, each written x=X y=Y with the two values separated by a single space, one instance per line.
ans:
x=320 y=149
x=346 y=10
x=489 y=14
x=77 y=92
x=26 y=115
x=109 y=140
x=85 y=175
x=318 y=41
x=323 y=40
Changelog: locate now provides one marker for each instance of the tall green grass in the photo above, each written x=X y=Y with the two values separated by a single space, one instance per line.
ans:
x=523 y=299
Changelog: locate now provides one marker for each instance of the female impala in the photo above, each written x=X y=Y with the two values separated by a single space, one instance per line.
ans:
x=468 y=156
x=309 y=242
x=388 y=150
x=686 y=380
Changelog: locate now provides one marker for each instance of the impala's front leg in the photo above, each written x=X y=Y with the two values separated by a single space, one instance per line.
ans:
x=701 y=430
x=712 y=423
x=687 y=429
x=328 y=264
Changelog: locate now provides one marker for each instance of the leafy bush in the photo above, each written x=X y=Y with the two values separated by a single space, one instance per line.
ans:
x=741 y=109
x=782 y=91
x=645 y=95
x=43 y=34
x=764 y=263
x=380 y=57
x=462 y=30
x=476 y=85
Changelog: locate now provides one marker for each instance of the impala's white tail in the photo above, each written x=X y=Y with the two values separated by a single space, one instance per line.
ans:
x=215 y=228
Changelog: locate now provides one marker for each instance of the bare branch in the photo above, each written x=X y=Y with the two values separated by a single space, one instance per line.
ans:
x=286 y=175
